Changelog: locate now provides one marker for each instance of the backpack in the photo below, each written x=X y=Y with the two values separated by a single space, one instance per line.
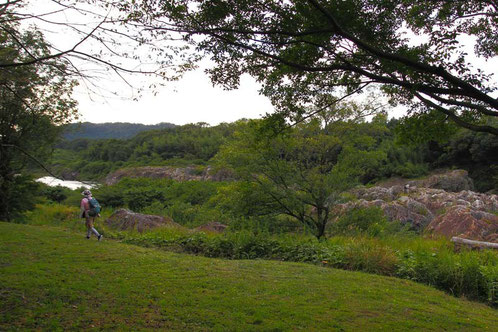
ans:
x=94 y=207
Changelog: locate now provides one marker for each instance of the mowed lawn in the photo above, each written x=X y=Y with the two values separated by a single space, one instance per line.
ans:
x=55 y=279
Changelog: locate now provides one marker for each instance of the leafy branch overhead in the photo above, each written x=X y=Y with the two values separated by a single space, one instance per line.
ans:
x=305 y=51
x=96 y=44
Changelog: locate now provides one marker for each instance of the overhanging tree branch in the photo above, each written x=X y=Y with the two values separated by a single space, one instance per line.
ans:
x=457 y=119
x=435 y=70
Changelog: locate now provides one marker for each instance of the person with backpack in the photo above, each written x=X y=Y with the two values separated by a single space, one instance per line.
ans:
x=90 y=209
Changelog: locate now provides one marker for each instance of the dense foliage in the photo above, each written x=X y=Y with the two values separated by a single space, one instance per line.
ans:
x=303 y=171
x=401 y=152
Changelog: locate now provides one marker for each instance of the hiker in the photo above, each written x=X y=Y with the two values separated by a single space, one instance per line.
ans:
x=90 y=209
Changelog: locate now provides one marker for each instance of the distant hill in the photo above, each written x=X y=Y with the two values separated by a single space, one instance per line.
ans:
x=118 y=130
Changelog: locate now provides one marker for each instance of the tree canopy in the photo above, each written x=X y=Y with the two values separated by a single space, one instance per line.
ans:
x=309 y=53
x=303 y=171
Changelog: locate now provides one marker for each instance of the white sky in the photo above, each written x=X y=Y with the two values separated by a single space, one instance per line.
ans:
x=192 y=99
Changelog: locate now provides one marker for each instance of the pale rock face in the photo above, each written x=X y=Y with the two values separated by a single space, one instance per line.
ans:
x=461 y=212
x=189 y=173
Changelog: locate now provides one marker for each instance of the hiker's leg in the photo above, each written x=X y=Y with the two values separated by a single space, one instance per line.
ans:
x=93 y=229
x=88 y=224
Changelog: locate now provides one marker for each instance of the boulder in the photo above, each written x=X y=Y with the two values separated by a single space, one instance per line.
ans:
x=404 y=210
x=466 y=223
x=453 y=181
x=425 y=204
x=124 y=219
x=369 y=194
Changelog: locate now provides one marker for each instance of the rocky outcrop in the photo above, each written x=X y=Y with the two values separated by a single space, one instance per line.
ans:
x=124 y=219
x=454 y=181
x=462 y=213
x=467 y=223
x=190 y=173
x=212 y=227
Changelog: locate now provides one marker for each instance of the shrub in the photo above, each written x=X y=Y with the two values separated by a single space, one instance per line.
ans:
x=20 y=194
x=470 y=274
x=410 y=170
x=490 y=274
x=56 y=194
x=372 y=258
x=110 y=196
x=370 y=221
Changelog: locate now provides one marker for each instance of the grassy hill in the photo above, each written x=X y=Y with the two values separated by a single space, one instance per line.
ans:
x=53 y=279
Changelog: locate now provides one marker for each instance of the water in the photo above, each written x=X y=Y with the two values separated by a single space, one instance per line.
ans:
x=53 y=182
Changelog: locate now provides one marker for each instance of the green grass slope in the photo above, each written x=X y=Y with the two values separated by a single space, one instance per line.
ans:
x=55 y=279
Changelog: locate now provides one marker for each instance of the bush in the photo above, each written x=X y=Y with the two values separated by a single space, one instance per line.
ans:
x=410 y=170
x=369 y=221
x=110 y=196
x=56 y=194
x=20 y=194
x=369 y=257
x=490 y=274
x=470 y=274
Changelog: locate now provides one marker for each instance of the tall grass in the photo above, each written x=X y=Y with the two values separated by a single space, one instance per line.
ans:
x=52 y=215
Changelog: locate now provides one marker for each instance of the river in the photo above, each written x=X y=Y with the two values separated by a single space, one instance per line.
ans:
x=53 y=182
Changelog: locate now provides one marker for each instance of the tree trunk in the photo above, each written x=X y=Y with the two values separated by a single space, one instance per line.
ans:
x=321 y=223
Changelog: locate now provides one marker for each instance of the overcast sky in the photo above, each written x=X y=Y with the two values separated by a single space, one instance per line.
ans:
x=192 y=99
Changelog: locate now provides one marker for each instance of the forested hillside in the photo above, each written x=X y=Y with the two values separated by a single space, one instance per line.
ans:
x=180 y=146
x=197 y=144
x=118 y=130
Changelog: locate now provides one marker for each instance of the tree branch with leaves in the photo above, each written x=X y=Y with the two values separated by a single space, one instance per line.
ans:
x=303 y=50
